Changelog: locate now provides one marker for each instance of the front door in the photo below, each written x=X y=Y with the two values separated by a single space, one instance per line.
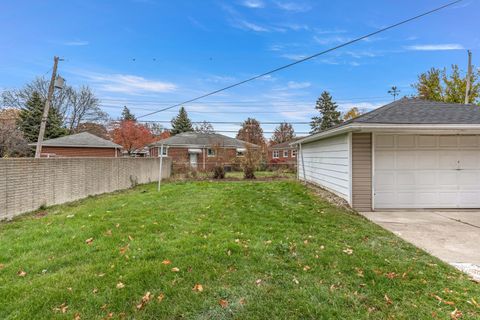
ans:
x=193 y=160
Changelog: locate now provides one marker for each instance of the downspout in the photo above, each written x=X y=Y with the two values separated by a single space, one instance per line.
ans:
x=204 y=154
x=303 y=164
x=161 y=168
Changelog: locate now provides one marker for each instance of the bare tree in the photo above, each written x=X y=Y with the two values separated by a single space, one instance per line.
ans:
x=12 y=142
x=204 y=127
x=74 y=106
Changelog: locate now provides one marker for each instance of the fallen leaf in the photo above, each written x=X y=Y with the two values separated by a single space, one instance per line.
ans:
x=1 y=266
x=296 y=281
x=95 y=290
x=63 y=308
x=77 y=316
x=145 y=299
x=175 y=269
x=391 y=275
x=117 y=225
x=130 y=237
x=21 y=273
x=305 y=241
x=348 y=251
x=268 y=241
x=160 y=297
x=124 y=249
x=474 y=302
x=198 y=288
x=166 y=262
x=242 y=301
x=456 y=314
x=322 y=247
x=359 y=272
x=258 y=282
x=120 y=285
x=89 y=241
x=306 y=268
x=388 y=300
x=223 y=303
x=108 y=233
x=450 y=303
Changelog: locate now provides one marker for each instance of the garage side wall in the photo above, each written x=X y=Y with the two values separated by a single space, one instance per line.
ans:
x=326 y=163
x=362 y=171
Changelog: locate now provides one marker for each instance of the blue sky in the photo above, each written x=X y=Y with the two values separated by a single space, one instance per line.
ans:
x=149 y=54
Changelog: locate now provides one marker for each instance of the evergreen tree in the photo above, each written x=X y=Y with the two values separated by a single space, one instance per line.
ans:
x=181 y=123
x=127 y=115
x=31 y=116
x=283 y=133
x=329 y=116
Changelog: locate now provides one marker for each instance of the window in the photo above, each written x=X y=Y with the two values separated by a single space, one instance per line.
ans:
x=294 y=153
x=240 y=153
x=164 y=154
x=211 y=152
x=285 y=153
x=276 y=154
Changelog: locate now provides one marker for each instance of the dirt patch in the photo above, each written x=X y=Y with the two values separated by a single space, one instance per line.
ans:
x=40 y=214
x=330 y=197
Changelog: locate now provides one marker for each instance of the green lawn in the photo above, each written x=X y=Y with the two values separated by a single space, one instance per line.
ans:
x=259 y=250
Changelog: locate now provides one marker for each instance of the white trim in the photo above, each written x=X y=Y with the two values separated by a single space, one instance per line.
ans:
x=350 y=173
x=277 y=156
x=283 y=153
x=373 y=172
x=370 y=127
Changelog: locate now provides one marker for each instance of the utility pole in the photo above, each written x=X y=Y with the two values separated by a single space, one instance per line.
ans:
x=394 y=92
x=43 y=124
x=469 y=76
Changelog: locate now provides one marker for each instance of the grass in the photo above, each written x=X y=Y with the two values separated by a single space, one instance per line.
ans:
x=260 y=250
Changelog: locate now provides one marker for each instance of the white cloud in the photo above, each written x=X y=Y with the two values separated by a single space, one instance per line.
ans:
x=294 y=56
x=254 y=4
x=435 y=47
x=76 y=43
x=293 y=6
x=129 y=84
x=330 y=39
x=245 y=25
x=298 y=85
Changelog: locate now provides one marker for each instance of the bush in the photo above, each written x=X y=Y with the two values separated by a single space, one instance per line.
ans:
x=218 y=172
x=248 y=172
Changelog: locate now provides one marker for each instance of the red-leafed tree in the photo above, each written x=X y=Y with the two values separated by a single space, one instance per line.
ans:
x=132 y=135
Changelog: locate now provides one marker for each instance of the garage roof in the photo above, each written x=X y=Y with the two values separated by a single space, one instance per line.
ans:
x=417 y=111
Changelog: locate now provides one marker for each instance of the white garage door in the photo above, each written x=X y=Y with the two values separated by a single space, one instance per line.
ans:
x=426 y=171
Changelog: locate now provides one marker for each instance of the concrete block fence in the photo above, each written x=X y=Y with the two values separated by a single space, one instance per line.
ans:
x=26 y=184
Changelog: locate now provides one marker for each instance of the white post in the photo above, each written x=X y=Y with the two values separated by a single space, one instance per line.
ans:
x=161 y=168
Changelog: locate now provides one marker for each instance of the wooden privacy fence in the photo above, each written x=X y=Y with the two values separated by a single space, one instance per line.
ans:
x=27 y=184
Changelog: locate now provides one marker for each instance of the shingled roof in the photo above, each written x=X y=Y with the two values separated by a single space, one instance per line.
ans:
x=417 y=111
x=202 y=139
x=80 y=140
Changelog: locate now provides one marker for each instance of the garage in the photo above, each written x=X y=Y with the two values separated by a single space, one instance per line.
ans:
x=426 y=171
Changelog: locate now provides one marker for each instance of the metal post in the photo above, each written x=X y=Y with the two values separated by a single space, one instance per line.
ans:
x=43 y=124
x=469 y=76
x=303 y=164
x=160 y=170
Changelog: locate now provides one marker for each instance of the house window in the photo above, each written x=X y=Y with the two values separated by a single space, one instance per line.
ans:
x=211 y=152
x=276 y=154
x=240 y=153
x=294 y=153
x=285 y=153
x=164 y=154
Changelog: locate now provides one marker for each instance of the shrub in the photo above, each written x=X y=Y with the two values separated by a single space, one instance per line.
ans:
x=218 y=172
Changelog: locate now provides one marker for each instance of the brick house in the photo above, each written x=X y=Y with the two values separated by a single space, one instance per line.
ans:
x=202 y=151
x=282 y=154
x=82 y=144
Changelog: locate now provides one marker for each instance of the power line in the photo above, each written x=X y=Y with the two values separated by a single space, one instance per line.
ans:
x=306 y=58
x=224 y=122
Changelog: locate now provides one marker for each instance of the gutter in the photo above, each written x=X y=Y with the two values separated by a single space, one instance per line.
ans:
x=371 y=127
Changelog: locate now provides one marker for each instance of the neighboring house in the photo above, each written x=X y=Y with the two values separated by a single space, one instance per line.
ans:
x=82 y=144
x=282 y=154
x=201 y=150
x=408 y=154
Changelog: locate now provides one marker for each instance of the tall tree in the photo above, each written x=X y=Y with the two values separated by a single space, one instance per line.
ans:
x=12 y=142
x=181 y=123
x=204 y=127
x=440 y=85
x=127 y=115
x=131 y=135
x=283 y=133
x=329 y=116
x=94 y=128
x=351 y=114
x=74 y=106
x=252 y=132
x=31 y=115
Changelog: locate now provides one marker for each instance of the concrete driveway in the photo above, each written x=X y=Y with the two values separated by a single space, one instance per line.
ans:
x=452 y=236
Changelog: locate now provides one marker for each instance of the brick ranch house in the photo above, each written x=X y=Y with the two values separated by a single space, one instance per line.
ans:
x=82 y=144
x=282 y=154
x=202 y=151
x=411 y=153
